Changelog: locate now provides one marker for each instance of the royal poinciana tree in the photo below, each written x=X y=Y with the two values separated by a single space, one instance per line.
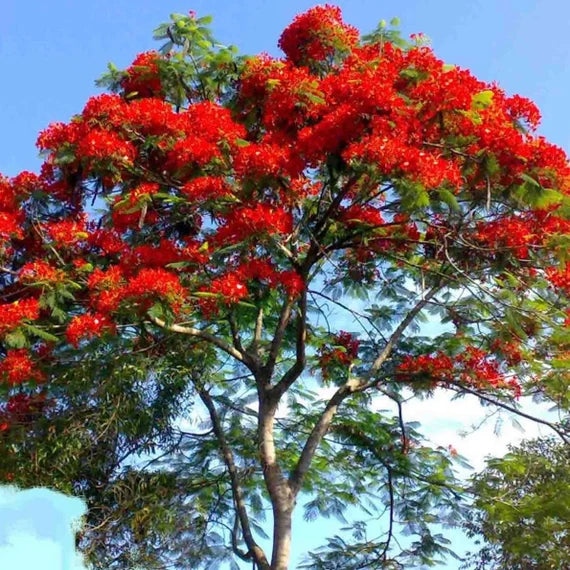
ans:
x=256 y=239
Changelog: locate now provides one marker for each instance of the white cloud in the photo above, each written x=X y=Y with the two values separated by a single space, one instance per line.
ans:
x=37 y=529
x=474 y=430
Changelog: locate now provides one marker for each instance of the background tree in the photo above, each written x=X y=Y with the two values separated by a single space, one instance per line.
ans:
x=196 y=234
x=523 y=508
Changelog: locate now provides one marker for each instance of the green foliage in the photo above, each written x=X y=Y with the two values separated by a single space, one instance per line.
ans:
x=522 y=509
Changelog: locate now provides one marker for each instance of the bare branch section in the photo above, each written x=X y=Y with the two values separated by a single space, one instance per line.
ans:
x=254 y=550
x=284 y=318
x=300 y=357
x=191 y=331
x=395 y=337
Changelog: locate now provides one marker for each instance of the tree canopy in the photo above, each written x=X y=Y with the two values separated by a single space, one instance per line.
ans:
x=255 y=242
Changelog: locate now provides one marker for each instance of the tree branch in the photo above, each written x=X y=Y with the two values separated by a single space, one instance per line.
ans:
x=395 y=337
x=191 y=331
x=254 y=549
x=300 y=360
x=318 y=432
x=350 y=387
x=513 y=410
x=284 y=317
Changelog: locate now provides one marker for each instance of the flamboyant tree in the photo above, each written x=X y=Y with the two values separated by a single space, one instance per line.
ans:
x=206 y=224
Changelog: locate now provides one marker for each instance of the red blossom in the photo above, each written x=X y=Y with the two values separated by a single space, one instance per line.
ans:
x=256 y=221
x=206 y=188
x=87 y=326
x=342 y=351
x=101 y=145
x=230 y=287
x=473 y=367
x=41 y=271
x=317 y=34
x=68 y=233
x=17 y=367
x=14 y=314
x=142 y=78
x=10 y=225
x=155 y=283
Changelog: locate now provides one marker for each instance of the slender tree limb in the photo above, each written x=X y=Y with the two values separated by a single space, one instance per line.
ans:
x=300 y=359
x=357 y=315
x=283 y=322
x=258 y=328
x=235 y=333
x=350 y=387
x=318 y=432
x=235 y=546
x=254 y=550
x=561 y=434
x=395 y=337
x=391 y=522
x=208 y=337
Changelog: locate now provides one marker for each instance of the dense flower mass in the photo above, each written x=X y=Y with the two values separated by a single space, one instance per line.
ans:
x=142 y=78
x=87 y=326
x=341 y=353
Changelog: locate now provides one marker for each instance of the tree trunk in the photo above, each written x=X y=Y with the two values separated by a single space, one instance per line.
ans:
x=282 y=515
x=282 y=499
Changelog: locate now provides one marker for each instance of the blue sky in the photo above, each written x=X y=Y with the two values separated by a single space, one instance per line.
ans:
x=51 y=52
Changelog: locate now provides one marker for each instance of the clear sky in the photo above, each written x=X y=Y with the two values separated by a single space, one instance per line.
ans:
x=51 y=52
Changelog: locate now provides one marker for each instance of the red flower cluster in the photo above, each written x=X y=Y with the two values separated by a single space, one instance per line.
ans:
x=394 y=157
x=101 y=145
x=68 y=233
x=156 y=283
x=317 y=35
x=14 y=314
x=17 y=367
x=232 y=287
x=253 y=222
x=260 y=161
x=560 y=277
x=112 y=287
x=22 y=409
x=206 y=188
x=341 y=352
x=41 y=271
x=164 y=253
x=473 y=367
x=126 y=212
x=142 y=78
x=88 y=326
x=358 y=215
x=509 y=350
x=10 y=225
x=514 y=234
